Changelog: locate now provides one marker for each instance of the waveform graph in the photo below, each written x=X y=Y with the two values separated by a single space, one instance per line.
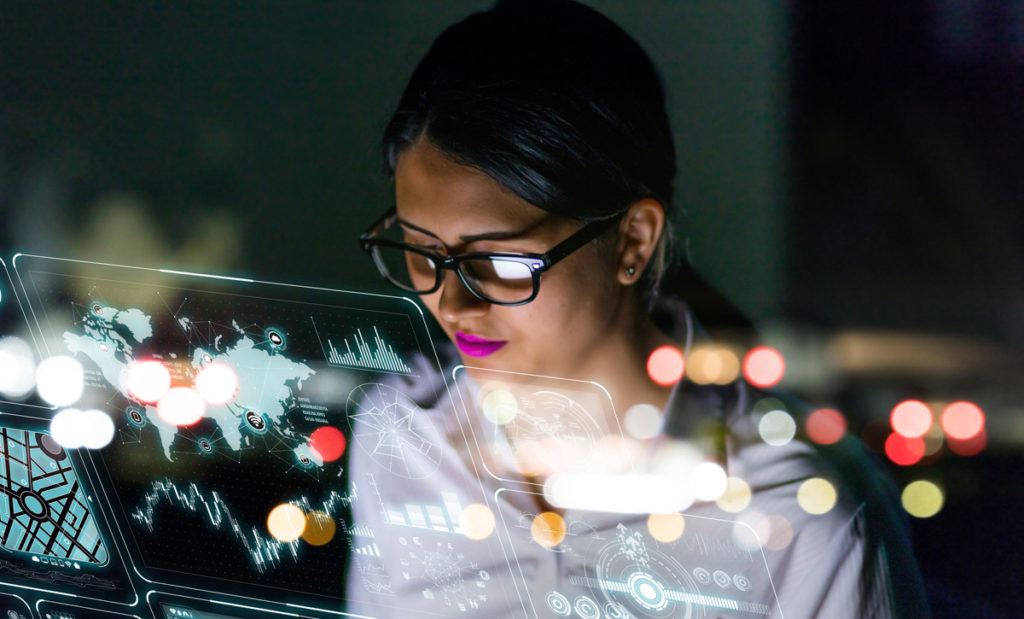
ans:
x=358 y=353
x=383 y=425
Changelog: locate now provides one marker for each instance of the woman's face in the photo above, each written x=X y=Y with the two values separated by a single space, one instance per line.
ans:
x=456 y=209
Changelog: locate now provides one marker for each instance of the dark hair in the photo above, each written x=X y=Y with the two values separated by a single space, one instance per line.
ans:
x=552 y=100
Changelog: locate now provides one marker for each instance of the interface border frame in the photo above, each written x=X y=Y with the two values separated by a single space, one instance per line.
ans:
x=23 y=265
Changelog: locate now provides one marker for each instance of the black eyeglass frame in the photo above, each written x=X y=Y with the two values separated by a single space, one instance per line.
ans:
x=537 y=263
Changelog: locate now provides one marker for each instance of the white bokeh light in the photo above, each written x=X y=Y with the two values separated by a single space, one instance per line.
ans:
x=60 y=380
x=777 y=428
x=17 y=367
x=148 y=381
x=97 y=429
x=708 y=481
x=66 y=428
x=181 y=406
x=642 y=421
x=217 y=383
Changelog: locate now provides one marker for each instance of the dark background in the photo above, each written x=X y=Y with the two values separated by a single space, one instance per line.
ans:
x=851 y=174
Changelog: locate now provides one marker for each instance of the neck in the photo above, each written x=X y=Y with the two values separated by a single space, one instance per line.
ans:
x=620 y=365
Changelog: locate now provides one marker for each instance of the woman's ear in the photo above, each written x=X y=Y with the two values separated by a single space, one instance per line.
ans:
x=639 y=233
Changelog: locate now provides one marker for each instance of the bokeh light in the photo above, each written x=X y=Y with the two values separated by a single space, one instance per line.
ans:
x=708 y=481
x=181 y=406
x=500 y=406
x=148 y=381
x=666 y=528
x=286 y=522
x=922 y=499
x=751 y=529
x=548 y=529
x=816 y=496
x=933 y=440
x=477 y=521
x=962 y=420
x=642 y=421
x=319 y=528
x=217 y=383
x=66 y=428
x=736 y=497
x=665 y=365
x=781 y=532
x=763 y=366
x=707 y=365
x=17 y=367
x=968 y=447
x=777 y=428
x=825 y=426
x=904 y=451
x=60 y=380
x=97 y=429
x=328 y=442
x=911 y=418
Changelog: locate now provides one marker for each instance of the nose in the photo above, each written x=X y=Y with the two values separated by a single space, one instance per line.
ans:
x=457 y=302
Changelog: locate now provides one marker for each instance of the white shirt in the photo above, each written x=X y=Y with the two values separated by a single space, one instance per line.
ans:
x=411 y=557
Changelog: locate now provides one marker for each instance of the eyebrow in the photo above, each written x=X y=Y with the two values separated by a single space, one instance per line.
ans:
x=470 y=238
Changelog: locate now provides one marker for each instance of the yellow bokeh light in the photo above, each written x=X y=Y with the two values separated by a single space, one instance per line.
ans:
x=320 y=528
x=286 y=522
x=476 y=521
x=730 y=366
x=500 y=406
x=736 y=497
x=666 y=528
x=704 y=366
x=922 y=499
x=548 y=529
x=816 y=496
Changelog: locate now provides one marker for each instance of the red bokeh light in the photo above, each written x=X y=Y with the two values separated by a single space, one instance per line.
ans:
x=763 y=366
x=962 y=421
x=968 y=447
x=826 y=426
x=911 y=418
x=665 y=365
x=904 y=451
x=329 y=442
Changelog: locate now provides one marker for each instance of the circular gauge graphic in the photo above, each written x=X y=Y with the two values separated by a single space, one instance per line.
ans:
x=631 y=579
x=382 y=424
x=558 y=603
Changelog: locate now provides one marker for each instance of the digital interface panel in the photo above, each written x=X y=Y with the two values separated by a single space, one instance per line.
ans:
x=299 y=452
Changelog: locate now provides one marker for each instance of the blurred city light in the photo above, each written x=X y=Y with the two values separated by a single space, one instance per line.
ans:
x=665 y=365
x=825 y=426
x=763 y=366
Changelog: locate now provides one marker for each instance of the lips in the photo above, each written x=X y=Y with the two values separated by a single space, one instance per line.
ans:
x=476 y=346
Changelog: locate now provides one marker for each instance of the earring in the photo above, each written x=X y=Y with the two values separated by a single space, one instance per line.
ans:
x=630 y=271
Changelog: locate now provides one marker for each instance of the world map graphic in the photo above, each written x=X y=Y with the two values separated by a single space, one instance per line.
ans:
x=268 y=381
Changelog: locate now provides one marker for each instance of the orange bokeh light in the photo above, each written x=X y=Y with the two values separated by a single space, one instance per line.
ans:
x=911 y=418
x=962 y=421
x=763 y=366
x=904 y=451
x=826 y=426
x=665 y=365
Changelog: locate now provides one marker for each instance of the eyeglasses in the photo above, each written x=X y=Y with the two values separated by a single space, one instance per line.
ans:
x=501 y=278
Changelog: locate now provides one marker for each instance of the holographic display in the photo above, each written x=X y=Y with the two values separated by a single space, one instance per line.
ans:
x=43 y=511
x=274 y=439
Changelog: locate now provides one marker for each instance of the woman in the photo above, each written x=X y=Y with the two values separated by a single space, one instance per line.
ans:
x=533 y=161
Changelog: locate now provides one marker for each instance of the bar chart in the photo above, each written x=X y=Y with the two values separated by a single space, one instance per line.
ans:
x=358 y=354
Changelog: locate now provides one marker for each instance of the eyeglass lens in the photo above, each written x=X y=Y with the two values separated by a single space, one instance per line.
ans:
x=503 y=280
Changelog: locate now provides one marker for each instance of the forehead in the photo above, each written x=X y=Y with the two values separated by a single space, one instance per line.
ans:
x=438 y=194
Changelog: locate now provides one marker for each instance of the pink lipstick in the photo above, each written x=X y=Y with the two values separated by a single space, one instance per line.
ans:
x=477 y=346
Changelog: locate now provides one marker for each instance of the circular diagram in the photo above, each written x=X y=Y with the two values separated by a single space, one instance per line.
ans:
x=636 y=580
x=547 y=426
x=381 y=421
